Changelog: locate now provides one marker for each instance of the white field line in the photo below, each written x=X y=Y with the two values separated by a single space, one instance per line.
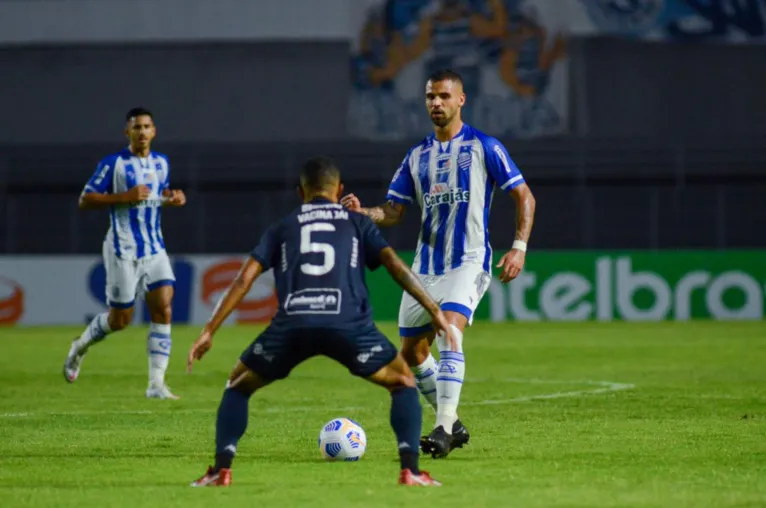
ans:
x=600 y=388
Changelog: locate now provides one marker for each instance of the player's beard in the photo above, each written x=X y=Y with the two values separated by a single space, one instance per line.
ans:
x=443 y=120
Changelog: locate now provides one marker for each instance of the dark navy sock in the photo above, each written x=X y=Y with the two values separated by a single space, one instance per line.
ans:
x=230 y=426
x=407 y=420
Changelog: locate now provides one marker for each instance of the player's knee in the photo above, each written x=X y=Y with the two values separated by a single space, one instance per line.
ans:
x=244 y=380
x=415 y=352
x=399 y=380
x=401 y=375
x=456 y=319
x=395 y=375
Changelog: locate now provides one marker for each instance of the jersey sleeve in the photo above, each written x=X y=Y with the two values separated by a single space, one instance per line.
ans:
x=267 y=248
x=373 y=242
x=101 y=181
x=500 y=166
x=402 y=188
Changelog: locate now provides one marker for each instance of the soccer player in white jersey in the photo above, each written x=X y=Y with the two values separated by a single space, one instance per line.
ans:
x=451 y=175
x=135 y=185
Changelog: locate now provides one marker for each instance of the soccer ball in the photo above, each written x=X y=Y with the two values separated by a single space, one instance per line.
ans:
x=342 y=439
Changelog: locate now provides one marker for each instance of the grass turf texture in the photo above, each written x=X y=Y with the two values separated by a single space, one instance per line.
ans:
x=689 y=432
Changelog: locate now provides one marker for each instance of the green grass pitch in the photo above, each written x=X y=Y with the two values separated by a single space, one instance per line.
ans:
x=591 y=415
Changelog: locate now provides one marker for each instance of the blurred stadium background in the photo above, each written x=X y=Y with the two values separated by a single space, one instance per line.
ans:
x=639 y=125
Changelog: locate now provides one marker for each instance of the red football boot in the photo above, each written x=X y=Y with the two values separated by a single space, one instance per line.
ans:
x=211 y=479
x=407 y=477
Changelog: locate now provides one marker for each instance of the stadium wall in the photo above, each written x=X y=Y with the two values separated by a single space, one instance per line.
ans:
x=209 y=93
x=301 y=90
x=52 y=22
x=591 y=194
x=555 y=286
x=615 y=215
x=668 y=91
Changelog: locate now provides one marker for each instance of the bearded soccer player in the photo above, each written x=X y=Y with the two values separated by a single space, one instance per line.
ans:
x=451 y=175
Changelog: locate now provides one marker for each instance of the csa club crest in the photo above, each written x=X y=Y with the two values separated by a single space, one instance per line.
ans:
x=464 y=160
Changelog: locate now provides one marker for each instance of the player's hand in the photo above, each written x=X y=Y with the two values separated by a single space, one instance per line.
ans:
x=512 y=264
x=139 y=193
x=176 y=198
x=442 y=327
x=201 y=346
x=351 y=202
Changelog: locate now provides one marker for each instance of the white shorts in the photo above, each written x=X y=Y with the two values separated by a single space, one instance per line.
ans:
x=459 y=290
x=126 y=277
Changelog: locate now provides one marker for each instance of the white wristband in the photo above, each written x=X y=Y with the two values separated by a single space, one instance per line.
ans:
x=520 y=245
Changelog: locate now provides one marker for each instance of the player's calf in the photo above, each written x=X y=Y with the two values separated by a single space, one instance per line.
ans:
x=120 y=318
x=231 y=423
x=449 y=382
x=406 y=414
x=417 y=353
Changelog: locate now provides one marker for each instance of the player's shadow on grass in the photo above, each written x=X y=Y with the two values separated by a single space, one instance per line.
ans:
x=197 y=457
x=425 y=460
x=101 y=456
x=99 y=486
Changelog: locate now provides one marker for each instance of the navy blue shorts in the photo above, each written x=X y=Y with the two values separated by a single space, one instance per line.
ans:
x=277 y=351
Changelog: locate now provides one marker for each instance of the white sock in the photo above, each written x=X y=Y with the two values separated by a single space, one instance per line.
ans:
x=449 y=381
x=158 y=348
x=96 y=331
x=425 y=378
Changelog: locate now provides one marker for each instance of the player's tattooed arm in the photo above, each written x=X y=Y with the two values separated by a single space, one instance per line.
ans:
x=525 y=211
x=388 y=214
x=402 y=274
x=513 y=261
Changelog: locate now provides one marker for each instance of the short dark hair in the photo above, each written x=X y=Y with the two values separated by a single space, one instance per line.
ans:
x=319 y=173
x=444 y=75
x=136 y=112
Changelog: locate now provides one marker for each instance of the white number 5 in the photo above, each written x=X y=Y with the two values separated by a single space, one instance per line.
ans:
x=307 y=246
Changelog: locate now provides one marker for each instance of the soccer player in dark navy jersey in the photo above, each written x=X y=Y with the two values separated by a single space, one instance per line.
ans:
x=319 y=254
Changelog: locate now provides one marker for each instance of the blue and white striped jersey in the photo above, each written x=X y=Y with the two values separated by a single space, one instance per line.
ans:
x=453 y=182
x=134 y=229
